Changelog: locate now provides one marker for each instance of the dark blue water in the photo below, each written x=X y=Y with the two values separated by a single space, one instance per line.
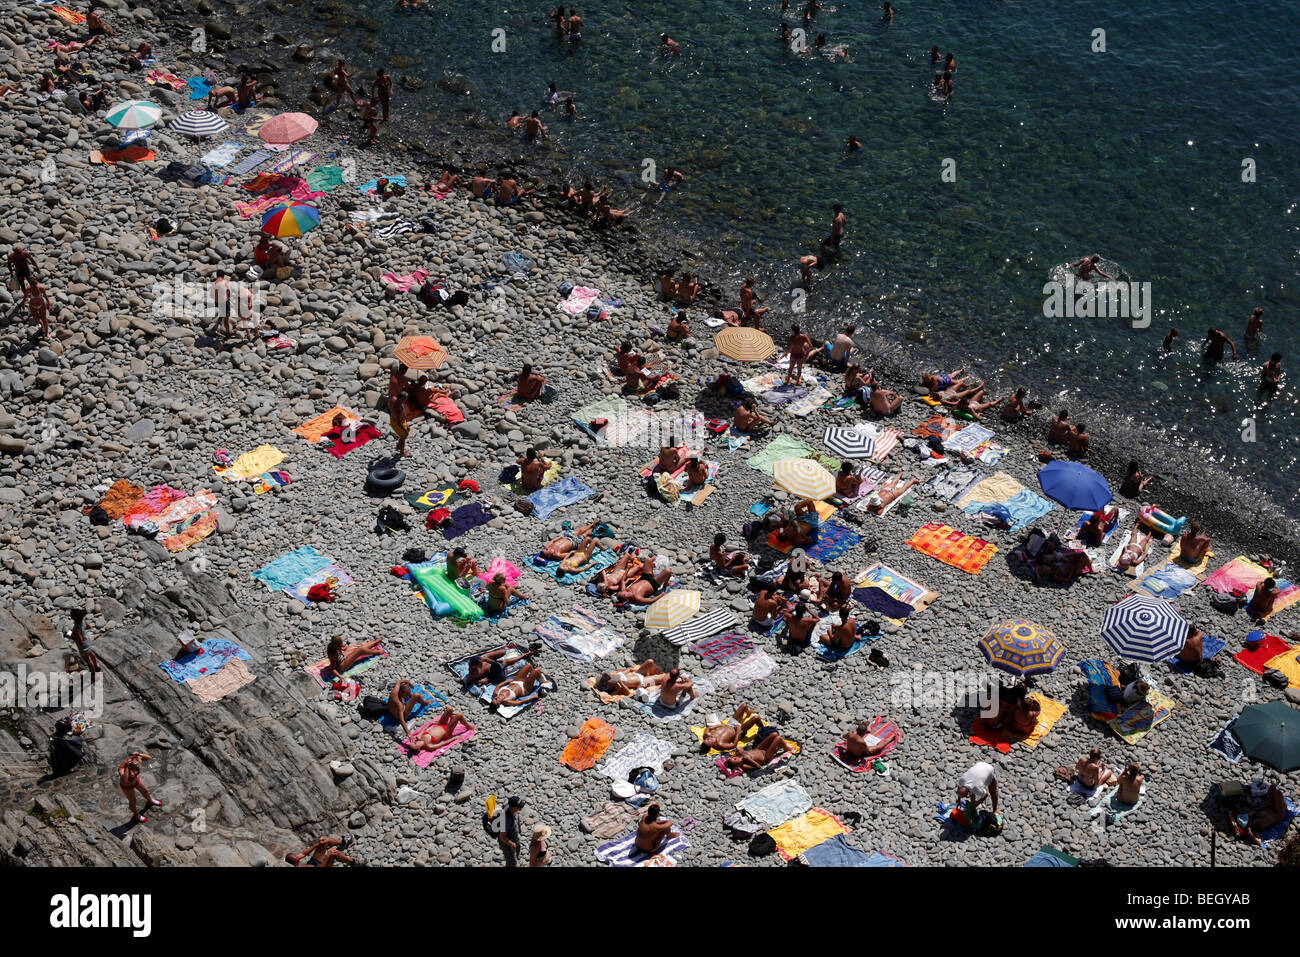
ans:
x=1135 y=153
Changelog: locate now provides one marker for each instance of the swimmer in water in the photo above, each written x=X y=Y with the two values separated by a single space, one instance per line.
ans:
x=1270 y=376
x=943 y=85
x=936 y=58
x=1214 y=340
x=1254 y=326
x=575 y=26
x=533 y=128
x=561 y=21
x=889 y=12
x=671 y=47
x=807 y=264
x=1086 y=267
x=515 y=119
x=1170 y=336
x=552 y=96
x=949 y=64
x=570 y=109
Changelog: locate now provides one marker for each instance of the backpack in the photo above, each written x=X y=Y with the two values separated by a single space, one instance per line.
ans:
x=644 y=779
x=98 y=516
x=372 y=707
x=66 y=752
x=565 y=288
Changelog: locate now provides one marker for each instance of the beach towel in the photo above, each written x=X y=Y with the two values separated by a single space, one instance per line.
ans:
x=701 y=626
x=1225 y=744
x=424 y=757
x=405 y=282
x=937 y=426
x=398 y=227
x=990 y=453
x=644 y=751
x=566 y=491
x=1080 y=795
x=998 y=487
x=300 y=589
x=945 y=544
x=251 y=463
x=149 y=506
x=1025 y=507
x=593 y=740
x=323 y=673
x=156 y=77
x=1210 y=646
x=232 y=676
x=324 y=179
x=881 y=728
x=578 y=634
x=394 y=179
x=1288 y=665
x=393 y=726
x=836 y=852
x=796 y=836
x=71 y=16
x=313 y=430
x=1002 y=738
x=291 y=568
x=622 y=852
x=951 y=814
x=117 y=501
x=1269 y=648
x=128 y=154
x=250 y=162
x=517 y=264
x=212 y=655
x=720 y=763
x=601 y=559
x=1047 y=856
x=433 y=498
x=777 y=803
x=466 y=519
x=579 y=298
x=648 y=702
x=1113 y=809
x=809 y=403
x=297 y=158
x=222 y=155
x=202 y=522
x=1240 y=574
x=610 y=819
x=338 y=448
x=882 y=603
x=897 y=585
x=1134 y=723
x=739 y=672
x=1278 y=830
x=1100 y=675
x=781 y=447
x=721 y=648
x=968 y=438
x=1166 y=580
x=949 y=484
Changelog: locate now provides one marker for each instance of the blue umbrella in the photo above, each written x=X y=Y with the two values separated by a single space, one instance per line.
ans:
x=1074 y=486
x=1144 y=629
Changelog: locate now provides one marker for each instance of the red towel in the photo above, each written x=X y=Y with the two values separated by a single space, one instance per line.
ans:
x=364 y=434
x=1269 y=648
x=447 y=409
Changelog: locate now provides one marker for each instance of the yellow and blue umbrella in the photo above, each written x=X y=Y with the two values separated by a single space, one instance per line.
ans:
x=290 y=219
x=1021 y=647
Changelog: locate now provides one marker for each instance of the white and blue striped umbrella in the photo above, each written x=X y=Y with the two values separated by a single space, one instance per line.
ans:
x=1140 y=628
x=849 y=443
x=198 y=123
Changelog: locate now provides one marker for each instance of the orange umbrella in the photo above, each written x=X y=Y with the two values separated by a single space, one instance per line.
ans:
x=420 y=352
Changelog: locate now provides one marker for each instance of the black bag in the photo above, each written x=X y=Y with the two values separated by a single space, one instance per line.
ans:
x=66 y=752
x=98 y=516
x=372 y=707
x=1130 y=673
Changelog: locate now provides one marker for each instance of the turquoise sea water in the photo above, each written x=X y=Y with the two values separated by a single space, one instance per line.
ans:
x=1135 y=153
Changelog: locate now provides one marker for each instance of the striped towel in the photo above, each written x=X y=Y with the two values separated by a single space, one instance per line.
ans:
x=882 y=729
x=718 y=649
x=299 y=158
x=885 y=443
x=622 y=851
x=701 y=626
x=250 y=162
x=396 y=228
x=740 y=672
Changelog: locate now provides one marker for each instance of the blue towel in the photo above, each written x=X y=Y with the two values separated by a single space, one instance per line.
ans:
x=835 y=852
x=881 y=860
x=389 y=723
x=216 y=652
x=1025 y=507
x=291 y=568
x=882 y=602
x=465 y=519
x=860 y=642
x=1047 y=857
x=395 y=179
x=1210 y=646
x=557 y=495
x=1168 y=581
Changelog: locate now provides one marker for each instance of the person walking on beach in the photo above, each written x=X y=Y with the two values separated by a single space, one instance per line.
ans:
x=22 y=269
x=38 y=304
x=128 y=779
x=798 y=349
x=508 y=837
x=399 y=413
x=343 y=83
x=383 y=87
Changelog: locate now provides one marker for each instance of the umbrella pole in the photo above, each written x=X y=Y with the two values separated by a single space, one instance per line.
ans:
x=1214 y=843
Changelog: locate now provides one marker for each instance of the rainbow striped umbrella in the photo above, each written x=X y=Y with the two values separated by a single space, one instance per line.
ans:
x=133 y=115
x=1021 y=647
x=290 y=219
x=673 y=609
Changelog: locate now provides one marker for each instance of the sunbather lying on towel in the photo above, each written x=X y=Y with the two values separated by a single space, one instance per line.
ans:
x=433 y=736
x=843 y=633
x=674 y=686
x=939 y=382
x=726 y=737
x=579 y=558
x=1061 y=565
x=626 y=567
x=490 y=667
x=889 y=490
x=402 y=701
x=500 y=592
x=804 y=528
x=728 y=563
x=342 y=657
x=626 y=681
x=1091 y=771
x=521 y=686
x=861 y=743
x=1134 y=552
x=954 y=396
x=324 y=853
x=770 y=746
x=975 y=404
x=653 y=831
x=1273 y=812
x=651 y=579
x=558 y=548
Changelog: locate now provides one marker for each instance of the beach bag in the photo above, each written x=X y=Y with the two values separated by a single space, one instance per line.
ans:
x=372 y=707
x=565 y=288
x=644 y=780
x=98 y=516
x=66 y=752
x=669 y=391
x=595 y=313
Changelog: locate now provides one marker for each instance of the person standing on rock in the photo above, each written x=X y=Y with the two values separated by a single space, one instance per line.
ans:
x=38 y=304
x=128 y=779
x=399 y=413
x=343 y=83
x=509 y=835
x=22 y=269
x=383 y=87
x=77 y=635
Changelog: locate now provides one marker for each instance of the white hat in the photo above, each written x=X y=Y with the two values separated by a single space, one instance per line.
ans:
x=622 y=790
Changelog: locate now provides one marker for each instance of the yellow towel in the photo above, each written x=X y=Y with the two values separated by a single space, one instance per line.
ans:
x=745 y=742
x=1287 y=664
x=261 y=459
x=808 y=830
x=996 y=488
x=1050 y=714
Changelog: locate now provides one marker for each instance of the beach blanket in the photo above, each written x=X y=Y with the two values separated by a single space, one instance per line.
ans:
x=882 y=603
x=990 y=453
x=517 y=264
x=1167 y=580
x=155 y=77
x=880 y=727
x=300 y=589
x=405 y=282
x=781 y=447
x=807 y=404
x=578 y=634
x=937 y=426
x=945 y=544
x=198 y=522
x=222 y=155
x=610 y=820
x=645 y=750
x=949 y=484
x=438 y=702
x=1269 y=648
x=1288 y=665
x=338 y=448
x=117 y=501
x=624 y=424
x=777 y=803
x=251 y=463
x=71 y=16
x=212 y=655
x=397 y=227
x=701 y=626
x=424 y=757
x=296 y=158
x=1225 y=744
x=796 y=836
x=968 y=438
x=150 y=505
x=1134 y=723
x=1050 y=857
x=371 y=185
x=313 y=430
x=1002 y=738
x=128 y=154
x=250 y=162
x=622 y=852
x=896 y=585
x=580 y=297
x=723 y=647
x=1025 y=507
x=836 y=852
x=998 y=487
x=648 y=702
x=1240 y=574
x=433 y=498
x=1100 y=675
x=324 y=179
x=566 y=491
x=323 y=673
x=232 y=676
x=593 y=740
x=739 y=672
x=601 y=559
x=291 y=568
x=1210 y=646
x=466 y=519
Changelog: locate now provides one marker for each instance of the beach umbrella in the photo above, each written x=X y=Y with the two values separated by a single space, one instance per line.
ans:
x=133 y=115
x=420 y=352
x=850 y=443
x=287 y=128
x=804 y=478
x=1074 y=485
x=290 y=219
x=744 y=344
x=1141 y=628
x=673 y=609
x=198 y=123
x=1021 y=647
x=1270 y=733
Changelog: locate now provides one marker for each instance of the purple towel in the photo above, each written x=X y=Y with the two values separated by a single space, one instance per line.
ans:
x=881 y=602
x=466 y=518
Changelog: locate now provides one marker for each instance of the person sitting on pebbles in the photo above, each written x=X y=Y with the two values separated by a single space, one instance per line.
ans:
x=343 y=656
x=528 y=385
x=727 y=737
x=1091 y=771
x=323 y=853
x=436 y=734
x=678 y=330
x=728 y=563
x=768 y=749
x=799 y=625
x=402 y=701
x=748 y=419
x=697 y=471
x=532 y=468
x=499 y=593
x=842 y=634
x=584 y=200
x=483 y=187
x=674 y=687
x=460 y=565
x=860 y=743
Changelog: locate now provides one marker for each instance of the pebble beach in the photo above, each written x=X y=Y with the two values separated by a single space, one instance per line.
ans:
x=129 y=386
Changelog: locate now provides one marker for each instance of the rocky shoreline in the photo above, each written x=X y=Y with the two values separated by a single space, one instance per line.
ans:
x=122 y=392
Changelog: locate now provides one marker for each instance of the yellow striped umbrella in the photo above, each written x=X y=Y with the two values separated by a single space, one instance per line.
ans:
x=420 y=352
x=744 y=344
x=804 y=478
x=673 y=609
x=1021 y=647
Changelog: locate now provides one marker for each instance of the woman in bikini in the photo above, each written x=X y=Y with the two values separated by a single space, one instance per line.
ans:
x=1134 y=551
x=437 y=733
x=128 y=779
x=612 y=579
x=499 y=593
x=626 y=681
x=940 y=381
x=769 y=748
x=579 y=558
x=521 y=686
x=558 y=548
x=342 y=657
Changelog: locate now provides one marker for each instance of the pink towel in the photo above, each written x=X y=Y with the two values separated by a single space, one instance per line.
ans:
x=447 y=409
x=407 y=282
x=511 y=571
x=422 y=759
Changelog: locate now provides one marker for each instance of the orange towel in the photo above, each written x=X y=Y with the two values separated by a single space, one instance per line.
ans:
x=71 y=16
x=946 y=544
x=132 y=154
x=313 y=429
x=121 y=496
x=586 y=749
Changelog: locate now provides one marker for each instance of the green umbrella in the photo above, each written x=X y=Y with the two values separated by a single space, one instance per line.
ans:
x=1270 y=733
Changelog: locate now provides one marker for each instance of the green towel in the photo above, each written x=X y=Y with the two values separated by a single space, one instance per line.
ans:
x=324 y=179
x=781 y=447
